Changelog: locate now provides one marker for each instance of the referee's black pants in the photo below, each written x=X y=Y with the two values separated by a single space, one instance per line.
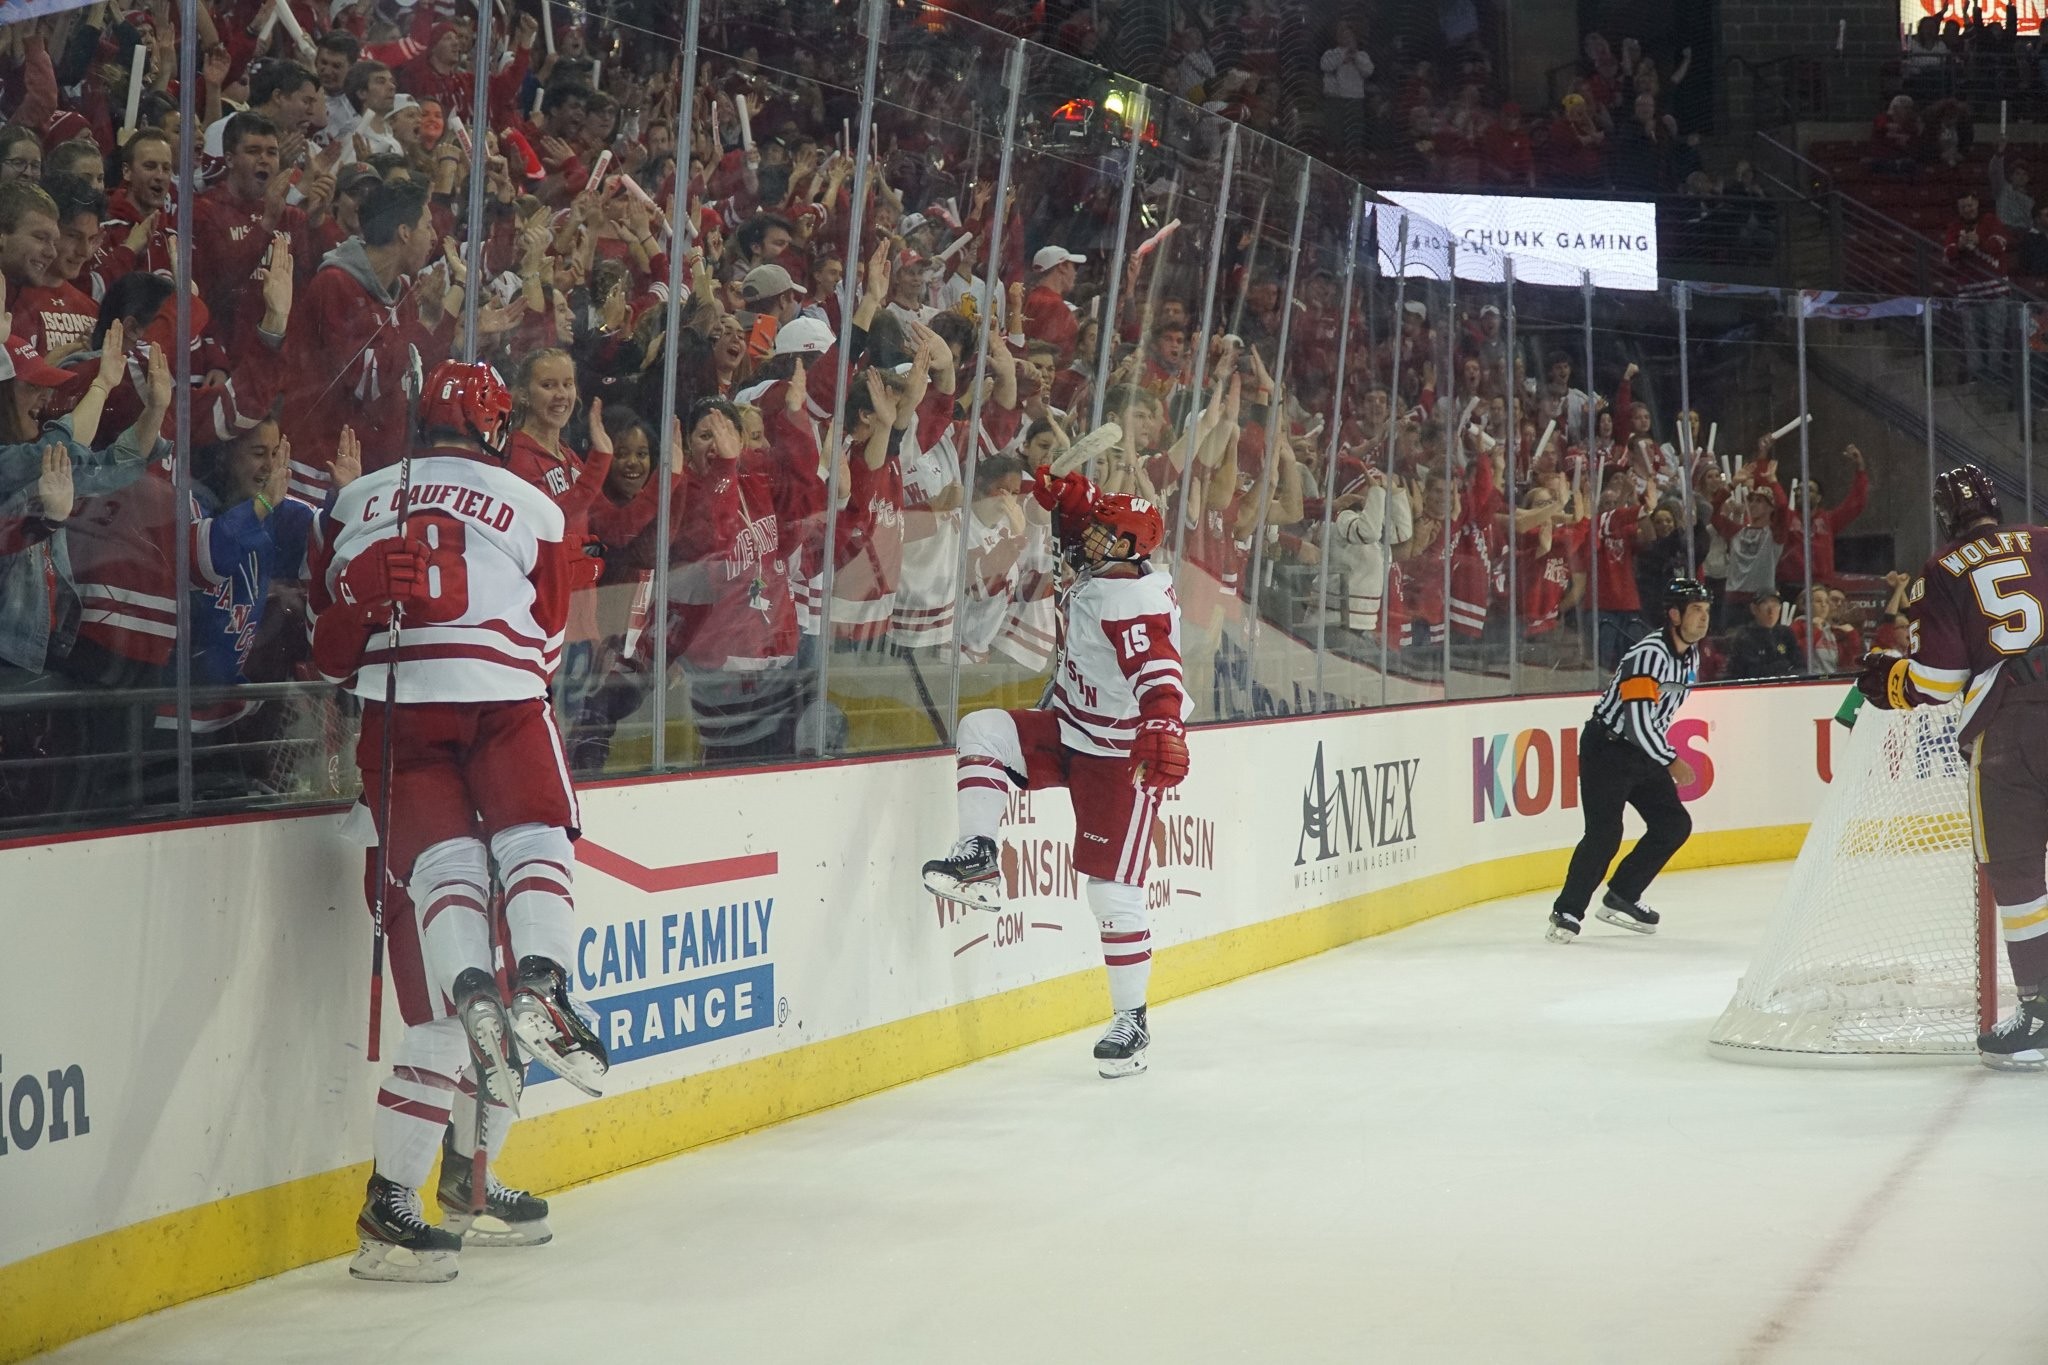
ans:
x=1614 y=773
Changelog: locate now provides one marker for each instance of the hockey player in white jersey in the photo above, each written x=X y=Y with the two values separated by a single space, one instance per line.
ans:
x=1113 y=732
x=470 y=560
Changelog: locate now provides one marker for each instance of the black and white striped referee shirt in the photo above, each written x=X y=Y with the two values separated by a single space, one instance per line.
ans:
x=1647 y=690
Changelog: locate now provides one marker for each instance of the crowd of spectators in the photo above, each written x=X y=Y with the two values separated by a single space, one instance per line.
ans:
x=1403 y=94
x=327 y=241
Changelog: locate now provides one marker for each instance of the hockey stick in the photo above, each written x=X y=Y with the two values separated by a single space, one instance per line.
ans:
x=1088 y=449
x=414 y=381
x=924 y=694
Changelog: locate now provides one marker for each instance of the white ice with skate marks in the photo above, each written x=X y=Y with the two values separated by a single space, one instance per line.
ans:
x=1453 y=1143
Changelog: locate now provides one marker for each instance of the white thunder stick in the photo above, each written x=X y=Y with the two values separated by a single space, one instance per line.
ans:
x=597 y=75
x=746 y=124
x=134 y=89
x=633 y=188
x=547 y=26
x=955 y=249
x=1543 y=444
x=1151 y=244
x=604 y=163
x=1465 y=417
x=291 y=26
x=846 y=137
x=1713 y=435
x=1791 y=426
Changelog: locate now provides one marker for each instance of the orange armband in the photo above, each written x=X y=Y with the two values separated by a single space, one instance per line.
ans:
x=1639 y=689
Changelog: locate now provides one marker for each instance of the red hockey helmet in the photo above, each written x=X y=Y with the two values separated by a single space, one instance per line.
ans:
x=1963 y=497
x=1125 y=515
x=468 y=399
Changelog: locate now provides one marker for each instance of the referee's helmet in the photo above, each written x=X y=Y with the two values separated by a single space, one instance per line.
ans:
x=1680 y=591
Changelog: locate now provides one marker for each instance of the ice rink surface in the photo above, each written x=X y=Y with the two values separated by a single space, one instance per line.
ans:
x=1455 y=1143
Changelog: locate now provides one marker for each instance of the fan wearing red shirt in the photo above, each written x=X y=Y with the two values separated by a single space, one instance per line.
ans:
x=233 y=221
x=1621 y=527
x=55 y=315
x=1047 y=314
x=139 y=220
x=439 y=72
x=1828 y=522
x=1577 y=150
x=346 y=356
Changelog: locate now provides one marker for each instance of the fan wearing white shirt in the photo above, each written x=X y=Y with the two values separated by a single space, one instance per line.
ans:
x=372 y=94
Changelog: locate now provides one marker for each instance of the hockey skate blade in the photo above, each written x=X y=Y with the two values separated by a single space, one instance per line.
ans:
x=975 y=895
x=1113 y=1070
x=490 y=1045
x=1558 y=935
x=2032 y=1061
x=1093 y=446
x=1621 y=921
x=382 y=1262
x=535 y=1024
x=485 y=1230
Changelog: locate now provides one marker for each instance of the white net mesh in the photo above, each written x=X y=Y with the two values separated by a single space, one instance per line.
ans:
x=1873 y=947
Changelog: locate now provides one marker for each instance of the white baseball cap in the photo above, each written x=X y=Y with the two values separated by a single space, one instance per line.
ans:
x=804 y=336
x=1052 y=257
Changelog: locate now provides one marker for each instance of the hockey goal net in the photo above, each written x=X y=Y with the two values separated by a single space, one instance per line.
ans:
x=1880 y=944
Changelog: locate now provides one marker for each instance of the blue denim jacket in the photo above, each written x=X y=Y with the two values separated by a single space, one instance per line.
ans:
x=25 y=578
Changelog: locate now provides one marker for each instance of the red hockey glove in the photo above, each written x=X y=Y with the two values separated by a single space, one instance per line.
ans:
x=443 y=592
x=383 y=576
x=1159 y=755
x=1071 y=495
x=1883 y=680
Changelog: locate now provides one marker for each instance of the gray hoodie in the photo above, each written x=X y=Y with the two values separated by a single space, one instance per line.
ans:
x=353 y=258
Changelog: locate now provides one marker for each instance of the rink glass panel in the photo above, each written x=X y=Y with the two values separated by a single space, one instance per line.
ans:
x=86 y=747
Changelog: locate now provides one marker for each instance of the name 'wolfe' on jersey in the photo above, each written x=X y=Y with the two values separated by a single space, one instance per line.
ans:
x=1974 y=612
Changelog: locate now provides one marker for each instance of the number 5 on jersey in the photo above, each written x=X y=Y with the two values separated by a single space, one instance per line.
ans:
x=2019 y=614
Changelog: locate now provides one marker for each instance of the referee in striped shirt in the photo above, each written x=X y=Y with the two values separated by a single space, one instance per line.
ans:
x=1626 y=759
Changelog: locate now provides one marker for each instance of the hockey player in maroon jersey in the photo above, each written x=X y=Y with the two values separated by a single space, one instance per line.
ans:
x=1113 y=734
x=471 y=560
x=1976 y=629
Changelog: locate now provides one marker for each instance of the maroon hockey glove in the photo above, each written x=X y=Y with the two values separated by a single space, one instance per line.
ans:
x=1159 y=755
x=383 y=576
x=1883 y=680
x=1071 y=495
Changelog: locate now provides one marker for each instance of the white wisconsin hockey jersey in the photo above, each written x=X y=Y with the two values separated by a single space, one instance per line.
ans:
x=498 y=619
x=1120 y=646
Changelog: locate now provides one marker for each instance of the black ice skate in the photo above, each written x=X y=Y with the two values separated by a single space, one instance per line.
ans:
x=1564 y=927
x=1627 y=914
x=2020 y=1041
x=1122 y=1050
x=397 y=1242
x=510 y=1218
x=969 y=875
x=490 y=1036
x=555 y=1031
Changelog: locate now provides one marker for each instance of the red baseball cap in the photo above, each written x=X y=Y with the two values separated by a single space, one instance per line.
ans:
x=31 y=368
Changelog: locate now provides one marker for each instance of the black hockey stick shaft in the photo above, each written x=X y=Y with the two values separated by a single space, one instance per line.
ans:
x=385 y=761
x=924 y=694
